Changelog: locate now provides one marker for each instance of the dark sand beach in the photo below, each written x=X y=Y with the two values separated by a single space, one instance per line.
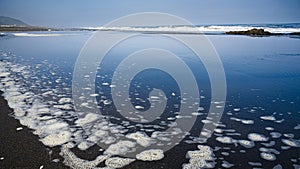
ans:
x=21 y=148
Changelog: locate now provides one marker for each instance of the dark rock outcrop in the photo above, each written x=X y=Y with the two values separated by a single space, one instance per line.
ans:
x=252 y=32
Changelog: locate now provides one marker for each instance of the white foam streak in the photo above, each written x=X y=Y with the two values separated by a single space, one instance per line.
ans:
x=39 y=34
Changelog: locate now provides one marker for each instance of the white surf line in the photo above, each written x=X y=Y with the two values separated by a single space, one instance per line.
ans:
x=193 y=29
x=41 y=34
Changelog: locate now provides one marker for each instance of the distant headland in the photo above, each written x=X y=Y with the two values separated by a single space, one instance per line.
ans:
x=8 y=24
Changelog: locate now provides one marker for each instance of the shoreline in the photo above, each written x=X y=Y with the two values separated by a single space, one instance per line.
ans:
x=20 y=148
x=25 y=29
x=251 y=32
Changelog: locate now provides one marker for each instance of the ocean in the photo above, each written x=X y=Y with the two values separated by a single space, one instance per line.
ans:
x=259 y=122
x=215 y=28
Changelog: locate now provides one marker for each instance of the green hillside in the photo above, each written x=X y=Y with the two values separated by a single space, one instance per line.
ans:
x=7 y=21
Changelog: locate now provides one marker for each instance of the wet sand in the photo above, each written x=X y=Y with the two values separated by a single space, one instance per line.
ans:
x=21 y=148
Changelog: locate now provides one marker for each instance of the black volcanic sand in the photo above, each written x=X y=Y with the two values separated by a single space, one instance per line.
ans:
x=22 y=149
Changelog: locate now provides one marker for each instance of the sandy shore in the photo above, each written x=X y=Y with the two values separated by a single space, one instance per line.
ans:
x=20 y=148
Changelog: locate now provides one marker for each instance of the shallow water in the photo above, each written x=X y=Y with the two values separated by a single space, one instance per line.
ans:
x=259 y=126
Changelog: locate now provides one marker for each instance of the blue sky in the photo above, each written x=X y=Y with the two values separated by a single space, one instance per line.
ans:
x=73 y=13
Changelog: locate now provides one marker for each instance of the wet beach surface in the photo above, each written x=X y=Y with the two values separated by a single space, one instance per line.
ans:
x=259 y=127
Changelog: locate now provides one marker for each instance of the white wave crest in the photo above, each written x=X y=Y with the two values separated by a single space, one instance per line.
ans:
x=193 y=29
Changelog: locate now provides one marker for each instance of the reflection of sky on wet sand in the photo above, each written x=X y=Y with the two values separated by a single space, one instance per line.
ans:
x=260 y=122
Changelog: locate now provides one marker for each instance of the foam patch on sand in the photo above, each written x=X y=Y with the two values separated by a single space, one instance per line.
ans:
x=57 y=139
x=140 y=138
x=246 y=143
x=117 y=162
x=257 y=137
x=297 y=127
x=91 y=117
x=150 y=155
x=275 y=134
x=226 y=164
x=244 y=121
x=120 y=148
x=291 y=142
x=270 y=118
x=226 y=140
x=201 y=158
x=268 y=153
x=71 y=160
x=268 y=156
x=269 y=128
